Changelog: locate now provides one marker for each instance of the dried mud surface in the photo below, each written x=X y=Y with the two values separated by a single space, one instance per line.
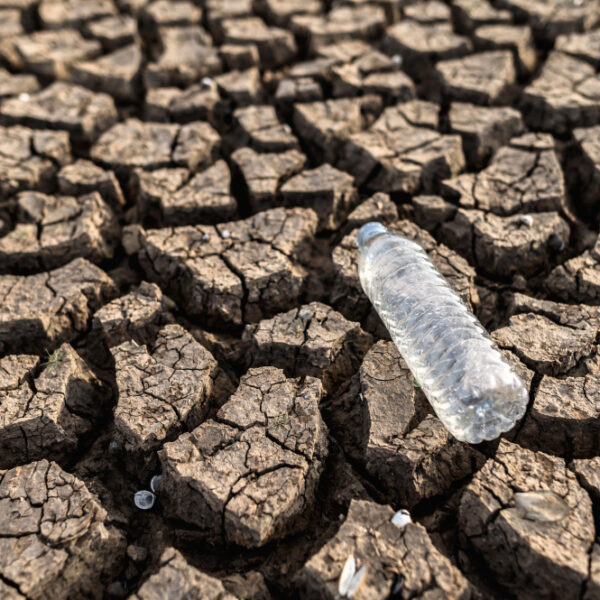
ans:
x=181 y=183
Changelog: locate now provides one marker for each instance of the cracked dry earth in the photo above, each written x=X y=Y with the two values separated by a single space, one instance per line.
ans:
x=181 y=183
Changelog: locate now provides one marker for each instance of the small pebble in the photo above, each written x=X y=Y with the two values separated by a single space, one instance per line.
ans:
x=116 y=589
x=287 y=128
x=144 y=499
x=397 y=60
x=113 y=446
x=206 y=82
x=205 y=237
x=24 y=97
x=225 y=234
x=155 y=482
x=519 y=282
x=137 y=553
x=542 y=505
x=402 y=518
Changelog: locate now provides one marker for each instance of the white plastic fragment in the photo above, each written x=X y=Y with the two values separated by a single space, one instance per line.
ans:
x=144 y=499
x=526 y=220
x=357 y=581
x=351 y=579
x=24 y=97
x=542 y=505
x=155 y=482
x=402 y=518
x=471 y=386
x=347 y=575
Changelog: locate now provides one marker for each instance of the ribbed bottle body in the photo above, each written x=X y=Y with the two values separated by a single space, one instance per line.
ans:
x=470 y=385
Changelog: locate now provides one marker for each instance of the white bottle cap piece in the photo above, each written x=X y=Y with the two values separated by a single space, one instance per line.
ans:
x=155 y=482
x=144 y=499
x=368 y=231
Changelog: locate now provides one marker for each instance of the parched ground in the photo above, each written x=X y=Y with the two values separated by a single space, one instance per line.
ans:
x=197 y=400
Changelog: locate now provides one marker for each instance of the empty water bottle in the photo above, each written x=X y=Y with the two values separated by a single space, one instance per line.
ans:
x=472 y=388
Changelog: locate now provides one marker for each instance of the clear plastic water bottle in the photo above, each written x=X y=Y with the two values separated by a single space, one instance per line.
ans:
x=472 y=388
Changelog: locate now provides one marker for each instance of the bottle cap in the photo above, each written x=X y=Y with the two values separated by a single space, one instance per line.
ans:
x=368 y=231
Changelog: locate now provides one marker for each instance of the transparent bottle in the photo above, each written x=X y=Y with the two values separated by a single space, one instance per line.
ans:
x=472 y=388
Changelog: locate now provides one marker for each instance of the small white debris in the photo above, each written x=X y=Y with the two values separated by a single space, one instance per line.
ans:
x=397 y=60
x=144 y=499
x=402 y=518
x=113 y=446
x=206 y=82
x=306 y=396
x=225 y=234
x=24 y=97
x=526 y=220
x=347 y=574
x=357 y=581
x=578 y=2
x=542 y=505
x=287 y=128
x=155 y=482
x=351 y=579
x=304 y=314
x=205 y=237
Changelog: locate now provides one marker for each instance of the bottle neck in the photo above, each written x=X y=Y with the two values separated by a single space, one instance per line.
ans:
x=368 y=232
